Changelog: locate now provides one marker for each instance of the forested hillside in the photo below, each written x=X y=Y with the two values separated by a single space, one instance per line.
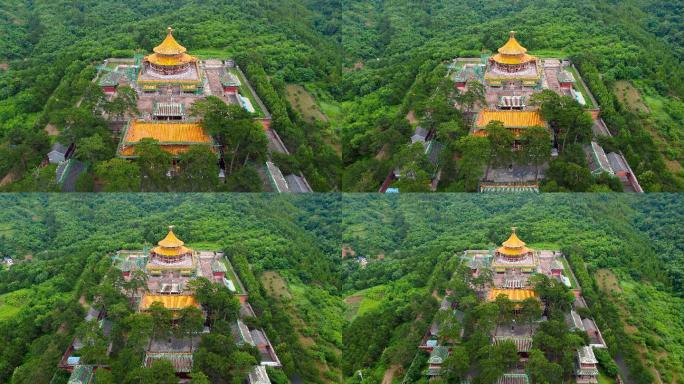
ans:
x=63 y=248
x=330 y=317
x=625 y=253
x=51 y=50
x=395 y=50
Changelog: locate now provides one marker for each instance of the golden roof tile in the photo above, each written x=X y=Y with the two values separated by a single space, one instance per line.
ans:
x=171 y=241
x=515 y=295
x=167 y=132
x=512 y=46
x=170 y=46
x=511 y=119
x=172 y=302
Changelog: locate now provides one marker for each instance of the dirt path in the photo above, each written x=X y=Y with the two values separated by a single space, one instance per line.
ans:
x=390 y=373
x=51 y=130
x=411 y=117
x=8 y=179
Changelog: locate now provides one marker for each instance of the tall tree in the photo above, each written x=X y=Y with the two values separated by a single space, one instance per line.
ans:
x=536 y=147
x=475 y=154
x=235 y=129
x=94 y=148
x=154 y=165
x=501 y=144
x=198 y=169
x=542 y=371
x=118 y=175
x=457 y=365
x=124 y=103
x=473 y=96
x=162 y=318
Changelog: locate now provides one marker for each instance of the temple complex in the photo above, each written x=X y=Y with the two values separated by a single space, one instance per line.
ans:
x=511 y=265
x=169 y=267
x=512 y=64
x=170 y=65
x=510 y=77
x=167 y=82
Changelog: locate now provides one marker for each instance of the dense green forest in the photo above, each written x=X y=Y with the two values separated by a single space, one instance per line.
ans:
x=395 y=51
x=328 y=316
x=50 y=51
x=63 y=248
x=625 y=253
x=365 y=64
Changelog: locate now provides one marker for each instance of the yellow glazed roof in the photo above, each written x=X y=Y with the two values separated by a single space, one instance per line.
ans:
x=512 y=60
x=512 y=46
x=171 y=241
x=513 y=241
x=169 y=46
x=171 y=251
x=171 y=245
x=172 y=302
x=511 y=119
x=516 y=295
x=513 y=246
x=513 y=52
x=167 y=132
x=169 y=61
x=169 y=53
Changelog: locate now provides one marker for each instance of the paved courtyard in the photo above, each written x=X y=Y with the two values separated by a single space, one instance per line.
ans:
x=515 y=174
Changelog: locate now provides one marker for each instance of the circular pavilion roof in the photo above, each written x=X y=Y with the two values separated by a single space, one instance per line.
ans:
x=171 y=245
x=512 y=46
x=513 y=52
x=513 y=246
x=170 y=47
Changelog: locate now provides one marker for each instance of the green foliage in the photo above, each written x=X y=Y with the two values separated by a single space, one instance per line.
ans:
x=119 y=175
x=395 y=49
x=51 y=54
x=633 y=236
x=71 y=241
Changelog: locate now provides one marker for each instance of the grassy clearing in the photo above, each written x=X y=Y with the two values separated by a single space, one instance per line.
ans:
x=544 y=246
x=245 y=91
x=654 y=321
x=275 y=285
x=364 y=301
x=630 y=96
x=603 y=379
x=205 y=245
x=662 y=117
x=11 y=303
x=304 y=103
x=316 y=316
x=583 y=90
x=315 y=104
x=233 y=276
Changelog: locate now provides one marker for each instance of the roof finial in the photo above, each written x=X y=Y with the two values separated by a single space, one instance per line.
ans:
x=169 y=30
x=171 y=227
x=511 y=34
x=514 y=229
